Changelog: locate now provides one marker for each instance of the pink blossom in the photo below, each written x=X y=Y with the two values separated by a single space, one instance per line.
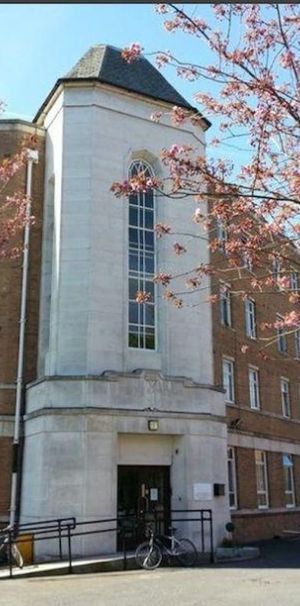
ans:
x=162 y=229
x=161 y=8
x=156 y=116
x=162 y=59
x=132 y=52
x=244 y=348
x=284 y=282
x=179 y=249
x=287 y=58
x=162 y=278
x=143 y=297
x=178 y=115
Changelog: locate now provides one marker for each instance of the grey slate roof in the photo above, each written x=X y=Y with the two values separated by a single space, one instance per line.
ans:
x=104 y=63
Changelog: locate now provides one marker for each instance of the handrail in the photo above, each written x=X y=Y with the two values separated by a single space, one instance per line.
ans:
x=69 y=528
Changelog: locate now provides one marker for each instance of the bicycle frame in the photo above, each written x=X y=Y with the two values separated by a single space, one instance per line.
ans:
x=149 y=553
x=160 y=543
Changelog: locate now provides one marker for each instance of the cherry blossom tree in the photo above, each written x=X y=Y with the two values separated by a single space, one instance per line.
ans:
x=12 y=202
x=249 y=208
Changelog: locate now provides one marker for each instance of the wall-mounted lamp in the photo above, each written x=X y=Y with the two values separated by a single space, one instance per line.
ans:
x=153 y=424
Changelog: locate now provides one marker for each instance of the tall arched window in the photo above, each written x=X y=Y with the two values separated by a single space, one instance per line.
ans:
x=141 y=332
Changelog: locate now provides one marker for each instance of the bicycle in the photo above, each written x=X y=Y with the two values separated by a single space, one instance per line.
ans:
x=149 y=554
x=11 y=549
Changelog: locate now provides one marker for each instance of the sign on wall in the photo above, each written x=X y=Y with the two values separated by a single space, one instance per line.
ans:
x=202 y=491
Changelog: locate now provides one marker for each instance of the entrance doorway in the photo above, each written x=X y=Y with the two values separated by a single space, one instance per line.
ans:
x=143 y=497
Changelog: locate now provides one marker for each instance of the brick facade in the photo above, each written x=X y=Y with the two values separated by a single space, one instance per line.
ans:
x=12 y=134
x=265 y=429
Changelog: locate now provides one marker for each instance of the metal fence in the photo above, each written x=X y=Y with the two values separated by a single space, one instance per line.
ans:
x=127 y=529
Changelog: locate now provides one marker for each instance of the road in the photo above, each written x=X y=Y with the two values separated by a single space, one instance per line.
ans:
x=193 y=587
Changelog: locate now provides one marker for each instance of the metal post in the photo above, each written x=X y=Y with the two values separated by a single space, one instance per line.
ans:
x=212 y=558
x=69 y=549
x=124 y=550
x=32 y=158
x=202 y=532
x=9 y=553
x=59 y=540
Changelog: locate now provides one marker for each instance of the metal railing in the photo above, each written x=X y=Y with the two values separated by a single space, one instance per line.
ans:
x=53 y=529
x=128 y=529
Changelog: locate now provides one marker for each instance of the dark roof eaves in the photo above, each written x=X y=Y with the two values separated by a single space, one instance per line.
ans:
x=102 y=81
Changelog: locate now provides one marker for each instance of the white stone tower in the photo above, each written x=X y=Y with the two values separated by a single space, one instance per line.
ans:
x=107 y=366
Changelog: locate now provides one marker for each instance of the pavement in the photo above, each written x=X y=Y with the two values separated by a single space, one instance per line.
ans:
x=271 y=580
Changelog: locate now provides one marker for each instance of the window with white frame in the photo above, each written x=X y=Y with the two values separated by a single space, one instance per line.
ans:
x=250 y=318
x=228 y=379
x=261 y=479
x=254 y=388
x=289 y=486
x=297 y=343
x=225 y=304
x=141 y=320
x=247 y=261
x=232 y=491
x=281 y=336
x=295 y=281
x=285 y=397
x=222 y=235
x=276 y=269
x=246 y=256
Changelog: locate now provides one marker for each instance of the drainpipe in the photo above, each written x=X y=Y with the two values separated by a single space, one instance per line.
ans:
x=32 y=158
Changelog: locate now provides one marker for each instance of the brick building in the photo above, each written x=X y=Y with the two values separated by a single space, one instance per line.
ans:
x=12 y=134
x=96 y=372
x=262 y=402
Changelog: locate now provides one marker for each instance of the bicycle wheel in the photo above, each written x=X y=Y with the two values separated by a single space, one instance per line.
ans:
x=148 y=557
x=186 y=552
x=16 y=555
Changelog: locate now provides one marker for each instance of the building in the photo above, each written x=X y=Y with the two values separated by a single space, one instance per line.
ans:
x=262 y=400
x=121 y=410
x=124 y=407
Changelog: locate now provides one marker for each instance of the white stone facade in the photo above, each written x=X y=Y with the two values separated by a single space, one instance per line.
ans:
x=88 y=411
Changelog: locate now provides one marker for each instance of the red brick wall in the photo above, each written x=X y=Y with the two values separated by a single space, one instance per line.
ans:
x=5 y=462
x=268 y=423
x=263 y=524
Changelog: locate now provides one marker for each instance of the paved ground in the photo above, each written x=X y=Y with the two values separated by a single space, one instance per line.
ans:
x=273 y=580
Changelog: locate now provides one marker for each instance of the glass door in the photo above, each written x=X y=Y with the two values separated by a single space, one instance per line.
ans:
x=143 y=497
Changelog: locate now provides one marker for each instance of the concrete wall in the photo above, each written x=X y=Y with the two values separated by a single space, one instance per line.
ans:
x=93 y=392
x=71 y=461
x=101 y=133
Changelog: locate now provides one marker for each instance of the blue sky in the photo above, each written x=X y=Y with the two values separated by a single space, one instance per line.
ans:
x=41 y=42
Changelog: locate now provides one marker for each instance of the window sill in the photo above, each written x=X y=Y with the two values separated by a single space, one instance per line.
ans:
x=265 y=413
x=140 y=349
x=229 y=327
x=262 y=512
